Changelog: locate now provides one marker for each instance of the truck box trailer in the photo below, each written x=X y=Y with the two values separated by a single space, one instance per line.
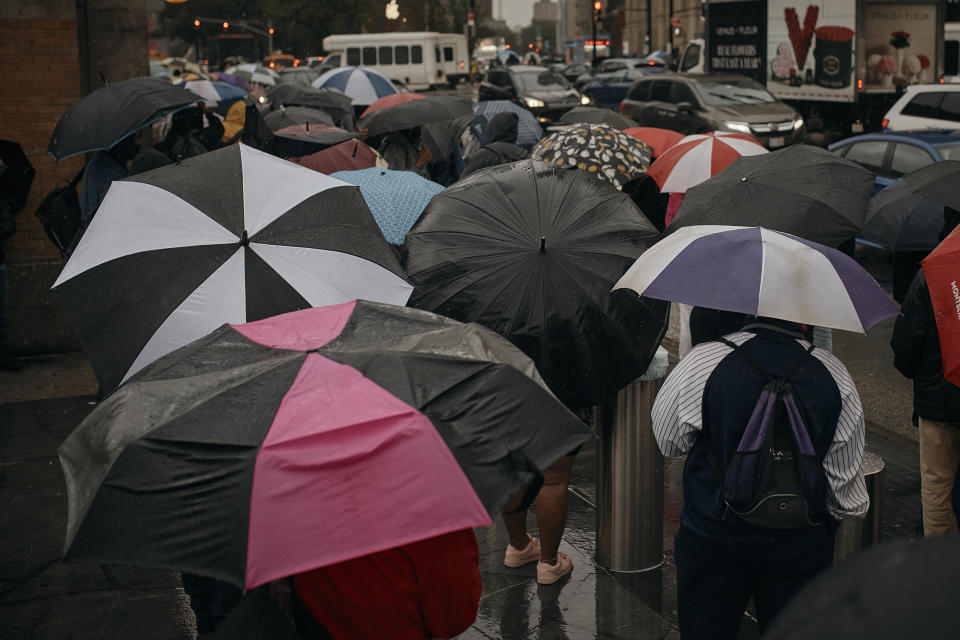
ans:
x=841 y=63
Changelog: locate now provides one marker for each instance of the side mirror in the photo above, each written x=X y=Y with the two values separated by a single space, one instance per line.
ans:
x=685 y=107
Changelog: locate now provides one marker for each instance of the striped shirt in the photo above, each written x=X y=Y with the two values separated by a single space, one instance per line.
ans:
x=677 y=419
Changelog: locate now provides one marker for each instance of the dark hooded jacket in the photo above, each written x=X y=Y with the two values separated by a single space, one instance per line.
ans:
x=501 y=146
x=916 y=348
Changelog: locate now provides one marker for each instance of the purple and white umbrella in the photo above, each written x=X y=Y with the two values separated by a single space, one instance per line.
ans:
x=760 y=272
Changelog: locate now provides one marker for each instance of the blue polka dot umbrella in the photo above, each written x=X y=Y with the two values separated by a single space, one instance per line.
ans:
x=396 y=198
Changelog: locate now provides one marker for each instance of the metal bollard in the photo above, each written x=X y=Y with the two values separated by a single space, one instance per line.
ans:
x=854 y=533
x=629 y=515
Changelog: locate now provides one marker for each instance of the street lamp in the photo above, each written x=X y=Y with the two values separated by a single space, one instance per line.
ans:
x=597 y=17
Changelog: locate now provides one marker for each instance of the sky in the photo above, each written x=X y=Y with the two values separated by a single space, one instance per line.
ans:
x=517 y=13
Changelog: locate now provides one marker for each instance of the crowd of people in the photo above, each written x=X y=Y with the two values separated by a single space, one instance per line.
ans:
x=431 y=588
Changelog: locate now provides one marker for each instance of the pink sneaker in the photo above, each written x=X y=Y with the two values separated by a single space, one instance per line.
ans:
x=519 y=557
x=550 y=573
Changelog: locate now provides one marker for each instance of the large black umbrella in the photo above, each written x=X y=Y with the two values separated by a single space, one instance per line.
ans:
x=895 y=590
x=938 y=181
x=531 y=250
x=802 y=190
x=596 y=115
x=270 y=448
x=302 y=139
x=111 y=113
x=900 y=220
x=228 y=236
x=409 y=115
x=331 y=100
x=16 y=173
x=288 y=116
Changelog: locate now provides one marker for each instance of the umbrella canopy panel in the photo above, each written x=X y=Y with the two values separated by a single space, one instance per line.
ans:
x=307 y=439
x=763 y=273
x=364 y=86
x=658 y=139
x=108 y=115
x=803 y=190
x=330 y=100
x=229 y=236
x=396 y=198
x=596 y=115
x=346 y=156
x=699 y=157
x=411 y=114
x=937 y=181
x=292 y=116
x=599 y=149
x=942 y=270
x=391 y=101
x=302 y=139
x=531 y=250
x=529 y=130
x=900 y=220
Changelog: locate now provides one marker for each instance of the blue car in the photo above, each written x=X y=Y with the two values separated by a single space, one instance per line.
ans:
x=607 y=90
x=896 y=153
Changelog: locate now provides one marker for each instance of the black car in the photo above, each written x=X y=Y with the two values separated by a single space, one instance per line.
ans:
x=544 y=92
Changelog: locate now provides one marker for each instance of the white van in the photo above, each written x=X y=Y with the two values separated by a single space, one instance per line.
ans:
x=454 y=57
x=413 y=58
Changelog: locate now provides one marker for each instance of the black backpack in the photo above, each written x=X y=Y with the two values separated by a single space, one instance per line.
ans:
x=59 y=213
x=774 y=478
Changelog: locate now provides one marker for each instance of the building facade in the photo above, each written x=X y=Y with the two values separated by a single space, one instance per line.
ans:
x=53 y=52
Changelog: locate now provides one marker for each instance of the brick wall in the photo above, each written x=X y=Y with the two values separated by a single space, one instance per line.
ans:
x=40 y=69
x=45 y=68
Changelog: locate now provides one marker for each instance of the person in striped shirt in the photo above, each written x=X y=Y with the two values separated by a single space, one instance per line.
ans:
x=705 y=403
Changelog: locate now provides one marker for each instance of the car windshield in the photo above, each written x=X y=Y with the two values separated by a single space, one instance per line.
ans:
x=541 y=80
x=723 y=93
x=949 y=151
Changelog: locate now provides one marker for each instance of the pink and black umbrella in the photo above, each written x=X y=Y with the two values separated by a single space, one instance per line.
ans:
x=274 y=447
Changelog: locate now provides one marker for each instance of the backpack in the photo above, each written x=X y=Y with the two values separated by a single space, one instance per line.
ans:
x=59 y=213
x=774 y=478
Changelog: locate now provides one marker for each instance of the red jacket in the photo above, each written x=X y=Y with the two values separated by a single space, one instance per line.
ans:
x=427 y=589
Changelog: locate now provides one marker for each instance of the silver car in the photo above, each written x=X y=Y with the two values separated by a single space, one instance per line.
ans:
x=691 y=103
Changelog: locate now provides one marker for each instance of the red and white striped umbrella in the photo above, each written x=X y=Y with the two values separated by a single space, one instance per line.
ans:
x=699 y=157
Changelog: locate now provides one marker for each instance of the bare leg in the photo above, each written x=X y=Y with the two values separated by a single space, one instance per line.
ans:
x=552 y=507
x=516 y=521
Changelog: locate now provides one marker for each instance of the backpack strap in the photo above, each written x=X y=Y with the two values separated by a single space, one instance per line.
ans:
x=756 y=366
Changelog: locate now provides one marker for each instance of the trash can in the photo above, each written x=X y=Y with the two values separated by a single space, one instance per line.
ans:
x=855 y=534
x=629 y=468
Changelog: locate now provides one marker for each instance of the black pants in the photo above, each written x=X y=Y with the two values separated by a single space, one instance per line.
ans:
x=712 y=593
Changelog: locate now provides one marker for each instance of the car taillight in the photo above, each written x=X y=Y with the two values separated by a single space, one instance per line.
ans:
x=884 y=123
x=621 y=107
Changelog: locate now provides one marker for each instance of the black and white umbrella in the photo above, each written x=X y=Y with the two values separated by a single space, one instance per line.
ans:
x=234 y=235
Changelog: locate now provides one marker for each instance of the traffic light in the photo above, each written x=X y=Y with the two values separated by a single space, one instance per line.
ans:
x=196 y=24
x=271 y=31
x=598 y=11
x=226 y=25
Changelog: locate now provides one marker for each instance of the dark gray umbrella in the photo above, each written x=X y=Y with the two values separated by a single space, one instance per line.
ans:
x=103 y=118
x=900 y=220
x=409 y=115
x=330 y=100
x=596 y=115
x=937 y=181
x=895 y=590
x=289 y=116
x=803 y=190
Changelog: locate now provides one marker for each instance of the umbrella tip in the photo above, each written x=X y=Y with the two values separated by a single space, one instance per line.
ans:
x=743 y=179
x=244 y=240
x=543 y=244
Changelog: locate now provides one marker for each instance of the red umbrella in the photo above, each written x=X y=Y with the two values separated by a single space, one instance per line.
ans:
x=942 y=270
x=391 y=100
x=346 y=156
x=659 y=139
x=699 y=157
